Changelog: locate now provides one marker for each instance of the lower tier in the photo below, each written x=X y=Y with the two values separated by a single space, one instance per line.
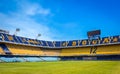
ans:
x=19 y=58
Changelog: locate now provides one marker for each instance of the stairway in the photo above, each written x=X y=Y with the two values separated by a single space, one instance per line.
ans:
x=5 y=49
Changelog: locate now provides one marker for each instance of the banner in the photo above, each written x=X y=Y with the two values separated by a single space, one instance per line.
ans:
x=1 y=37
x=73 y=43
x=114 y=39
x=44 y=43
x=84 y=42
x=64 y=43
x=94 y=41
x=50 y=44
x=56 y=43
x=105 y=40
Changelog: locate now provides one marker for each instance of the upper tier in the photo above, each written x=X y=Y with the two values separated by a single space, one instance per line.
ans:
x=6 y=38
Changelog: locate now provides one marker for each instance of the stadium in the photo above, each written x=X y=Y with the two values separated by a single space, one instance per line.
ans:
x=22 y=49
x=59 y=36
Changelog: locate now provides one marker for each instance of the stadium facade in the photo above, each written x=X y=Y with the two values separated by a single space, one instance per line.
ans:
x=20 y=49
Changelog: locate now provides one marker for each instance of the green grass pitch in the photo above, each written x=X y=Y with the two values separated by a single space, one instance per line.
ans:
x=61 y=67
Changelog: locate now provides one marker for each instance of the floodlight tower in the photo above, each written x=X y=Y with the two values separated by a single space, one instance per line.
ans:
x=38 y=36
x=17 y=30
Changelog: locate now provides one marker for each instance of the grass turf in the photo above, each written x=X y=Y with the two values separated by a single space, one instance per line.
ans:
x=61 y=67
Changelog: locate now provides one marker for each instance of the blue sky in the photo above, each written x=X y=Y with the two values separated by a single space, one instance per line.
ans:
x=60 y=19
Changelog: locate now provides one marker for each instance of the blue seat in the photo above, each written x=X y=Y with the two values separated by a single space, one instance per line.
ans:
x=32 y=59
x=49 y=58
x=11 y=59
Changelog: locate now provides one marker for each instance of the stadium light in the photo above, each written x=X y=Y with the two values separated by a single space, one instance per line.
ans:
x=4 y=31
x=17 y=30
x=38 y=36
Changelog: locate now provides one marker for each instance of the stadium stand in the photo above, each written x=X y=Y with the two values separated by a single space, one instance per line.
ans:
x=32 y=59
x=50 y=58
x=108 y=49
x=11 y=59
x=27 y=59
x=20 y=49
x=24 y=50
x=51 y=52
x=101 y=50
x=5 y=49
x=75 y=51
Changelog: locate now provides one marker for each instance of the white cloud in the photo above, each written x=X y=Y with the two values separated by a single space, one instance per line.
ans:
x=29 y=27
x=33 y=9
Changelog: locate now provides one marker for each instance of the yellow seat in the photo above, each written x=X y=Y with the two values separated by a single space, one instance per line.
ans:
x=75 y=51
x=24 y=50
x=51 y=52
x=101 y=50
x=108 y=49
x=29 y=50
